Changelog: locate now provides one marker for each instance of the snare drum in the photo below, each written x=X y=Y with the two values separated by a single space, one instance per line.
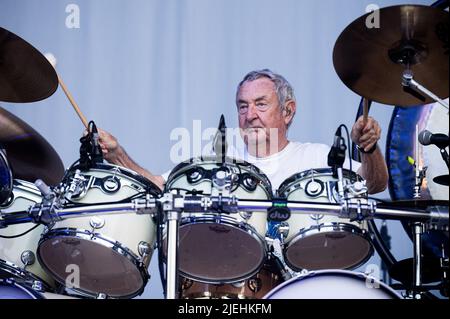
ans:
x=333 y=284
x=108 y=253
x=18 y=255
x=322 y=241
x=221 y=248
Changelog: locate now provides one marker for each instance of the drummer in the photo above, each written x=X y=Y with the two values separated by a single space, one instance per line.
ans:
x=266 y=107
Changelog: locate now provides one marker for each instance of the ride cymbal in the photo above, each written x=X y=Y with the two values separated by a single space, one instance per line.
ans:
x=371 y=61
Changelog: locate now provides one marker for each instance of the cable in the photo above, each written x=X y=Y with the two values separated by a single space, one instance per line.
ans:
x=20 y=235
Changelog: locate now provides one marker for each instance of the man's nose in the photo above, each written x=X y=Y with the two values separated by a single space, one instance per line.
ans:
x=252 y=112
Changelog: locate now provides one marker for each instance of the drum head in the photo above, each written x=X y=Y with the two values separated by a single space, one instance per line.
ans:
x=333 y=284
x=328 y=249
x=240 y=252
x=91 y=265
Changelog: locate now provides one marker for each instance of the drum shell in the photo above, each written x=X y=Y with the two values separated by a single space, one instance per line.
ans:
x=295 y=192
x=24 y=195
x=309 y=233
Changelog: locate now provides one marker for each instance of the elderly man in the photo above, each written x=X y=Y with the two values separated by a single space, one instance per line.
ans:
x=266 y=106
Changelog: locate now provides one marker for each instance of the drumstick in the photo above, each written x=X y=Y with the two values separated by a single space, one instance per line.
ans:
x=74 y=104
x=365 y=109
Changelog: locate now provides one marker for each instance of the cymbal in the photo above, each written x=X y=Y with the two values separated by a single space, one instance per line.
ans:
x=25 y=74
x=371 y=61
x=403 y=271
x=28 y=153
x=442 y=180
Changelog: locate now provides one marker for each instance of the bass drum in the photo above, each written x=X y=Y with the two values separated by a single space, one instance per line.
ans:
x=401 y=143
x=333 y=284
x=18 y=258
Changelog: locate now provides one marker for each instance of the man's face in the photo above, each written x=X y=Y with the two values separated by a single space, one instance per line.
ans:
x=260 y=116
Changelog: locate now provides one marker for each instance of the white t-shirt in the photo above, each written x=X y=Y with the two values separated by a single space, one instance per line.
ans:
x=294 y=158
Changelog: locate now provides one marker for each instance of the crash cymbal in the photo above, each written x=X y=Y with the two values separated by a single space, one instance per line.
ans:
x=29 y=155
x=371 y=61
x=25 y=74
x=441 y=180
x=403 y=271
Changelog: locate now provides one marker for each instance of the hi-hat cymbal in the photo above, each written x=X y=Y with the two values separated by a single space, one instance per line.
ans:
x=371 y=61
x=25 y=74
x=28 y=153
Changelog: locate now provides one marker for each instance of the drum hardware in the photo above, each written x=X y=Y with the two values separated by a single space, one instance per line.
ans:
x=408 y=81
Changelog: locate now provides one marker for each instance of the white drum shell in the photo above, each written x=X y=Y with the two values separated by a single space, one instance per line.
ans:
x=25 y=195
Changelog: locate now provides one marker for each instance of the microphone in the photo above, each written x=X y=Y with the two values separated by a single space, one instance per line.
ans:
x=428 y=138
x=97 y=154
x=220 y=145
x=336 y=156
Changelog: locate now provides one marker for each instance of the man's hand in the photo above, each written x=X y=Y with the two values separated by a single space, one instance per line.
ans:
x=366 y=134
x=111 y=148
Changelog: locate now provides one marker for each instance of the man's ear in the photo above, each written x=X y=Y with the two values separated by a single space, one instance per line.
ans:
x=289 y=111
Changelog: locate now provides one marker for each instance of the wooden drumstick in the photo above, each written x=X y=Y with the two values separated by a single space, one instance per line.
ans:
x=365 y=109
x=74 y=104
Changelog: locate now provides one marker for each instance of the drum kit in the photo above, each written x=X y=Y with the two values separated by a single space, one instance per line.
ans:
x=220 y=230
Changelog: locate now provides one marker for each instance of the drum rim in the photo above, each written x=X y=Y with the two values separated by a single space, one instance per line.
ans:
x=102 y=240
x=20 y=273
x=6 y=193
x=195 y=161
x=148 y=184
x=286 y=185
x=341 y=228
x=347 y=273
x=229 y=221
x=30 y=291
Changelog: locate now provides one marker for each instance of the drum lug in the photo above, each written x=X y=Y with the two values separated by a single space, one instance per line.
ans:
x=37 y=286
x=255 y=284
x=28 y=258
x=245 y=215
x=144 y=250
x=96 y=222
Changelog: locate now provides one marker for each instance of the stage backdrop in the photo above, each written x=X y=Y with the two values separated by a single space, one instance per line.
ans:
x=142 y=68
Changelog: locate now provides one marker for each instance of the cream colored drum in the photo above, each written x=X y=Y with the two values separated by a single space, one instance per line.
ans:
x=333 y=284
x=221 y=248
x=322 y=241
x=18 y=254
x=103 y=254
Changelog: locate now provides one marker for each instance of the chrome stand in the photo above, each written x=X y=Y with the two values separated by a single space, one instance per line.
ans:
x=408 y=81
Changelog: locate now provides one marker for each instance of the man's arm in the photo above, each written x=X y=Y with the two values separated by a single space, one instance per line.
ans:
x=114 y=153
x=374 y=170
x=373 y=166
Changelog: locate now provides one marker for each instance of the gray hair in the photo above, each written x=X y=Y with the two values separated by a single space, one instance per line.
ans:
x=283 y=88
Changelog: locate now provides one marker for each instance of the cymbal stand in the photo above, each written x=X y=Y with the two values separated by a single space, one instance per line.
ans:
x=408 y=81
x=173 y=215
x=420 y=171
x=417 y=267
